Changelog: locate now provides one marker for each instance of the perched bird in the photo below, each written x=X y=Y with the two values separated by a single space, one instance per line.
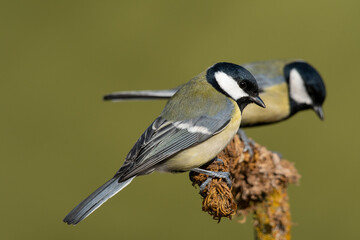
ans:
x=195 y=125
x=286 y=87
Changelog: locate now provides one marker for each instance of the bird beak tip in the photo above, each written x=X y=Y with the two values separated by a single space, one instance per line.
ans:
x=319 y=111
x=258 y=101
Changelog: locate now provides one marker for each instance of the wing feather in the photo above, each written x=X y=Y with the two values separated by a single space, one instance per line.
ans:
x=163 y=139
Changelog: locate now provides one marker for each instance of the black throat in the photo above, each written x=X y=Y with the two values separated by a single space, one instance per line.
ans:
x=296 y=107
x=243 y=102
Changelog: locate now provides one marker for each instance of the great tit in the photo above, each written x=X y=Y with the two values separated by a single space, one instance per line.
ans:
x=195 y=125
x=286 y=86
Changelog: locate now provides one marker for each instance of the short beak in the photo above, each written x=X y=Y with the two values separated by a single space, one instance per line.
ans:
x=319 y=112
x=257 y=100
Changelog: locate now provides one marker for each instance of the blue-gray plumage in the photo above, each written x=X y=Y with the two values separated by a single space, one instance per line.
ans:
x=286 y=86
x=195 y=125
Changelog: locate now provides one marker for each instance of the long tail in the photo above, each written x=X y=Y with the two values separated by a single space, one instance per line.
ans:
x=140 y=95
x=95 y=200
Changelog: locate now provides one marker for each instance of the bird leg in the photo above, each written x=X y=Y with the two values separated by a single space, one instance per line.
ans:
x=211 y=174
x=247 y=143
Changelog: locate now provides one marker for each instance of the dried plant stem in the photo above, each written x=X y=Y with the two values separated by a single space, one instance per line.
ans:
x=259 y=187
x=272 y=219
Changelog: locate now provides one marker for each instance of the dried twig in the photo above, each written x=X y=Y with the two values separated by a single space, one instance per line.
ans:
x=259 y=187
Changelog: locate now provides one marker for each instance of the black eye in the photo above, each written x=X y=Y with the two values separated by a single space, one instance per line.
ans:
x=310 y=92
x=243 y=85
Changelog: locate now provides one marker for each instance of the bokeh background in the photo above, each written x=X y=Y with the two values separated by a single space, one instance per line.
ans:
x=59 y=140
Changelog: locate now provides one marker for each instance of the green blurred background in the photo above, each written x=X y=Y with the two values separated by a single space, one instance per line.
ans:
x=60 y=141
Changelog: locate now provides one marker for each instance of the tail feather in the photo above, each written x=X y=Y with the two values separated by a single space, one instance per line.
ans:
x=95 y=200
x=140 y=95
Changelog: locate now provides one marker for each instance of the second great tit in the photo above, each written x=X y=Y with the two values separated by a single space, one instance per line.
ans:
x=286 y=87
x=195 y=125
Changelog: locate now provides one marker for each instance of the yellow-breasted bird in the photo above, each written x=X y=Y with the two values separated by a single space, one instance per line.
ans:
x=286 y=86
x=195 y=125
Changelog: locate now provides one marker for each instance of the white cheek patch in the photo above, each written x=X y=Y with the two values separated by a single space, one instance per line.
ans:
x=297 y=88
x=230 y=86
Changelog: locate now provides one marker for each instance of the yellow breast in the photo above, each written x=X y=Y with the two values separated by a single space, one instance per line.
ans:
x=276 y=99
x=205 y=151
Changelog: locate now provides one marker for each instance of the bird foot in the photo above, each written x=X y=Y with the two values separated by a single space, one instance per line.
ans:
x=247 y=143
x=211 y=174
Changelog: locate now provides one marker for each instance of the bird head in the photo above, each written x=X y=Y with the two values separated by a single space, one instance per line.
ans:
x=235 y=82
x=306 y=87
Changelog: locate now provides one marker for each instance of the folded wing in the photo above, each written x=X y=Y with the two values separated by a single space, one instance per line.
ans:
x=163 y=139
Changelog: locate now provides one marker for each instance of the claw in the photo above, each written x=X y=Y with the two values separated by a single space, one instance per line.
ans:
x=211 y=174
x=204 y=184
x=219 y=160
x=247 y=142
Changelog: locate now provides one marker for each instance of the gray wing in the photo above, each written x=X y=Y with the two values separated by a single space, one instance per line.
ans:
x=141 y=95
x=267 y=73
x=164 y=139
